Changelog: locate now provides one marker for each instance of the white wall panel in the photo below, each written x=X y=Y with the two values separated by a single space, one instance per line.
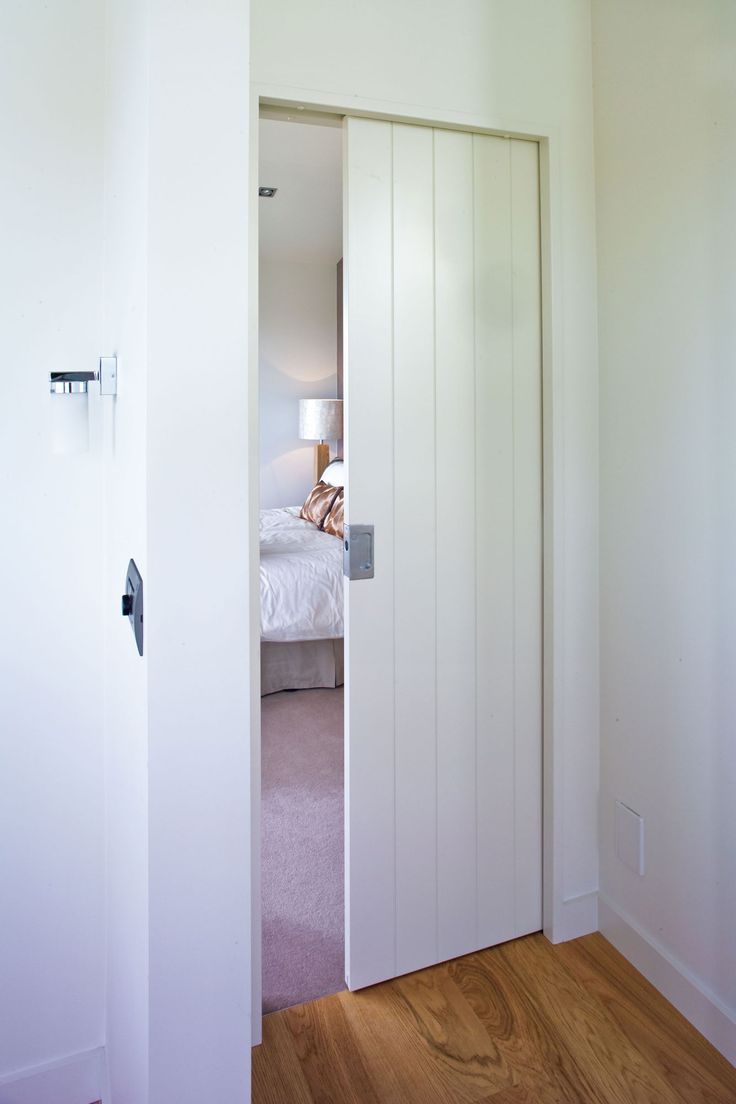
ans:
x=125 y=330
x=665 y=165
x=52 y=960
x=414 y=546
x=455 y=538
x=443 y=390
x=494 y=516
x=527 y=578
x=198 y=602
x=370 y=859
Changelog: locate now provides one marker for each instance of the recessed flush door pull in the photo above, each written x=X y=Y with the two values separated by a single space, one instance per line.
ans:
x=357 y=554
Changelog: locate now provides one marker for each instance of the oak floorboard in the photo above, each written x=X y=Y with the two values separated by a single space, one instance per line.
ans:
x=651 y=1023
x=332 y=1056
x=453 y=1033
x=425 y=1043
x=618 y=1069
x=276 y=1082
x=522 y=1023
x=528 y=1038
x=524 y=1094
x=400 y=1064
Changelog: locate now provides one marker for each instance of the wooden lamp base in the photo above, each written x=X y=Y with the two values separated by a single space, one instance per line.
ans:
x=321 y=460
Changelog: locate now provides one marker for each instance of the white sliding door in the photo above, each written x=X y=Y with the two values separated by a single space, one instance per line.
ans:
x=444 y=644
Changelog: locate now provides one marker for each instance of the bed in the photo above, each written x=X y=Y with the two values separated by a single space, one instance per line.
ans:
x=301 y=584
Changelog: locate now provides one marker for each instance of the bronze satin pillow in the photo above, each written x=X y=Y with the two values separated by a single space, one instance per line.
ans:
x=333 y=523
x=318 y=503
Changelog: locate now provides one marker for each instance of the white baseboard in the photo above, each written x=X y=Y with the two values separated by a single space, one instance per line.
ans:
x=703 y=1009
x=578 y=916
x=77 y=1079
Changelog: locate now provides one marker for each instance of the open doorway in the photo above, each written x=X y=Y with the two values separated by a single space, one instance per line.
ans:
x=443 y=641
x=301 y=581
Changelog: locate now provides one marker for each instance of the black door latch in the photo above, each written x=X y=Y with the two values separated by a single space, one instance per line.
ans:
x=132 y=603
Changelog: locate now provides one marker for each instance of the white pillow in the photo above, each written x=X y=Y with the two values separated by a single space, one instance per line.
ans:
x=334 y=473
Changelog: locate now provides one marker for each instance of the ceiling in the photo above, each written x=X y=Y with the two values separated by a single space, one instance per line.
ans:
x=303 y=221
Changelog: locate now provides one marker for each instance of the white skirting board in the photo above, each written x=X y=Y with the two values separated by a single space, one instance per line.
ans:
x=702 y=1008
x=578 y=916
x=77 y=1079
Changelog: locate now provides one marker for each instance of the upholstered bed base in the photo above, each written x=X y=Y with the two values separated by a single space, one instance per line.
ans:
x=301 y=665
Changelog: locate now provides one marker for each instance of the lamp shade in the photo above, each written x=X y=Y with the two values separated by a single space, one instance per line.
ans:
x=320 y=419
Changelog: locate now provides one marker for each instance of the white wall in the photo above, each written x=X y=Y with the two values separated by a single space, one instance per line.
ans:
x=665 y=103
x=172 y=246
x=197 y=572
x=126 y=724
x=176 y=254
x=526 y=66
x=298 y=360
x=51 y=801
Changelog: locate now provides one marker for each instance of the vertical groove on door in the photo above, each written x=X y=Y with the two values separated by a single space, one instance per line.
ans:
x=369 y=654
x=527 y=438
x=494 y=507
x=434 y=535
x=514 y=540
x=414 y=565
x=476 y=550
x=397 y=968
x=456 y=815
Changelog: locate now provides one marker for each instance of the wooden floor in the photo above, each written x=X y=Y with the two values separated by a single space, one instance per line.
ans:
x=523 y=1023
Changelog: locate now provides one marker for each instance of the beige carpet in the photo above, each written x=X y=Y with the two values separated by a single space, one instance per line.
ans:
x=302 y=848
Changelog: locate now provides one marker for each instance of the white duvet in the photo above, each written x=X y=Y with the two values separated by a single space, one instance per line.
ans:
x=301 y=579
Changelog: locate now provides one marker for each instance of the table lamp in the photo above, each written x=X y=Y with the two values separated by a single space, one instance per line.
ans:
x=320 y=420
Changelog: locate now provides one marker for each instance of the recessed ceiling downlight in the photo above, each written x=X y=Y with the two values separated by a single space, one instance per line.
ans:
x=267 y=193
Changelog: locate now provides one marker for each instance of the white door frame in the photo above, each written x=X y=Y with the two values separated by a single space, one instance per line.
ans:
x=558 y=922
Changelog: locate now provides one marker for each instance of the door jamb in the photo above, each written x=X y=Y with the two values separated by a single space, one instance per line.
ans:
x=556 y=924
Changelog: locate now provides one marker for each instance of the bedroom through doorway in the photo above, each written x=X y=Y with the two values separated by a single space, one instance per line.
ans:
x=301 y=580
